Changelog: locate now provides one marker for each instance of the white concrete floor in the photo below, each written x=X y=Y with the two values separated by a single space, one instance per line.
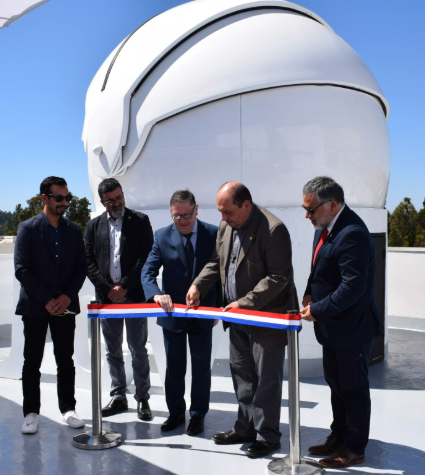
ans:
x=397 y=443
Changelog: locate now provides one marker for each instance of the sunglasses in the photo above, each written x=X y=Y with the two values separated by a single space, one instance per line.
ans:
x=59 y=198
x=313 y=210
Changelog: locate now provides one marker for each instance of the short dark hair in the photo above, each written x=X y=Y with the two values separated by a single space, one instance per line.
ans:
x=45 y=187
x=239 y=194
x=325 y=189
x=183 y=196
x=108 y=185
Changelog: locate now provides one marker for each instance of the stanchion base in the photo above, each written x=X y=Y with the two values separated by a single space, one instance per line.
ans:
x=88 y=441
x=283 y=466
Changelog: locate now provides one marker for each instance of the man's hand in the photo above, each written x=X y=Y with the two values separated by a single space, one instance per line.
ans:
x=165 y=302
x=58 y=306
x=193 y=296
x=306 y=300
x=306 y=314
x=231 y=305
x=117 y=294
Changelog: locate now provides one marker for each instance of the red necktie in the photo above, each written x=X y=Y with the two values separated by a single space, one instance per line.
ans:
x=319 y=245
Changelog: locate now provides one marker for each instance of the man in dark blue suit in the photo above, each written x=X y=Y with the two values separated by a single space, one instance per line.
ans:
x=339 y=299
x=50 y=264
x=183 y=248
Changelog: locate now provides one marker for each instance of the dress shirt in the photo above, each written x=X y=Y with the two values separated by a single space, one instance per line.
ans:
x=193 y=238
x=230 y=291
x=330 y=227
x=115 y=228
x=56 y=236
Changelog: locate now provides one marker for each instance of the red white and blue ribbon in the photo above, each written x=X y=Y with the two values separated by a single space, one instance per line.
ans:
x=284 y=321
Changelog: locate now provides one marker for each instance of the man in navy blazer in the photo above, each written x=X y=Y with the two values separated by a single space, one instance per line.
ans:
x=339 y=299
x=50 y=264
x=183 y=248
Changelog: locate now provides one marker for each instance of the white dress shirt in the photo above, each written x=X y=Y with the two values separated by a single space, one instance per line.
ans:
x=193 y=238
x=115 y=227
x=334 y=220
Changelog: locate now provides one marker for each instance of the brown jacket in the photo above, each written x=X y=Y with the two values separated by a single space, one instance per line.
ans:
x=264 y=274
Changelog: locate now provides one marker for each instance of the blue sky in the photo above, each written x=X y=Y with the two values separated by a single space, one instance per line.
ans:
x=49 y=57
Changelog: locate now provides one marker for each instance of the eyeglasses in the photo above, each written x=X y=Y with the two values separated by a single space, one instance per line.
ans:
x=176 y=217
x=313 y=210
x=118 y=199
x=59 y=198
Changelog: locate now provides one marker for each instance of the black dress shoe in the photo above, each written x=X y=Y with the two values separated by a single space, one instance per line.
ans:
x=230 y=437
x=114 y=407
x=261 y=448
x=173 y=422
x=196 y=426
x=331 y=445
x=143 y=410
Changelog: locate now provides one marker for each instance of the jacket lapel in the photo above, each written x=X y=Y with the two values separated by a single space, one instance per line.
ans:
x=199 y=250
x=178 y=244
x=65 y=241
x=45 y=236
x=125 y=230
x=104 y=235
x=225 y=246
x=249 y=236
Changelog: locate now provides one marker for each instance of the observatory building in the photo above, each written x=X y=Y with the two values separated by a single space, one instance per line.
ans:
x=262 y=92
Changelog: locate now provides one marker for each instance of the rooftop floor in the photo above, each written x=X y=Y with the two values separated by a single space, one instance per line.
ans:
x=397 y=443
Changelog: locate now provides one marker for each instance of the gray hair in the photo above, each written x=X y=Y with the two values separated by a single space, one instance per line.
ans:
x=325 y=189
x=183 y=196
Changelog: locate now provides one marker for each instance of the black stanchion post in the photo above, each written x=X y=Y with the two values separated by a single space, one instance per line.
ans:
x=294 y=464
x=98 y=438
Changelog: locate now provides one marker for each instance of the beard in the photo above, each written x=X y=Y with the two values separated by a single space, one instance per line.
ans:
x=118 y=213
x=325 y=220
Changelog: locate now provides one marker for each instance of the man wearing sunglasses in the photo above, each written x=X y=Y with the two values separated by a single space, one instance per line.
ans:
x=339 y=299
x=118 y=243
x=50 y=264
x=183 y=248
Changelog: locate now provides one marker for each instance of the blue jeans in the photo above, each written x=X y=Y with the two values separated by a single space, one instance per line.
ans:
x=137 y=335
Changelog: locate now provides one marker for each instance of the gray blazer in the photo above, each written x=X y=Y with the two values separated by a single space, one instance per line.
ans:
x=264 y=273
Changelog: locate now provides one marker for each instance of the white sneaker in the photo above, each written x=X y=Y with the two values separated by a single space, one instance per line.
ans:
x=72 y=419
x=30 y=424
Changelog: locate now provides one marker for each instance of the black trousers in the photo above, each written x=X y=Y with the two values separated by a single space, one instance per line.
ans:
x=346 y=372
x=62 y=330
x=200 y=344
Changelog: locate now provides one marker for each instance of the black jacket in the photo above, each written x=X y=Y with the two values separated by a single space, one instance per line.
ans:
x=41 y=278
x=136 y=243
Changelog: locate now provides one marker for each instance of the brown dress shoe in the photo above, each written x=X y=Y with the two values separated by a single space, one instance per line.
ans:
x=343 y=458
x=331 y=445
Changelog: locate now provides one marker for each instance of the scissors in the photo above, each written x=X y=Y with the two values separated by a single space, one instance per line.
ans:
x=186 y=310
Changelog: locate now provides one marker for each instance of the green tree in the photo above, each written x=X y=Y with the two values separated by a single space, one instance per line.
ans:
x=403 y=225
x=421 y=216
x=11 y=227
x=79 y=212
x=4 y=217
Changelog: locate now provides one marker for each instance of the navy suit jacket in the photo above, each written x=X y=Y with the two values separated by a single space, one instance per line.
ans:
x=168 y=251
x=41 y=278
x=136 y=243
x=341 y=285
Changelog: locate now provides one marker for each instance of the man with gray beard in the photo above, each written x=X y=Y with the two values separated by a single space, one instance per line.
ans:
x=340 y=300
x=118 y=243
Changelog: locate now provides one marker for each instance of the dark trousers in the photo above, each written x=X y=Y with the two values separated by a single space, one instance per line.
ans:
x=200 y=344
x=62 y=330
x=137 y=336
x=257 y=378
x=346 y=372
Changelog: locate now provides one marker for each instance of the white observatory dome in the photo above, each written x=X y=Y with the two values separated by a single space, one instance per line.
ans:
x=262 y=92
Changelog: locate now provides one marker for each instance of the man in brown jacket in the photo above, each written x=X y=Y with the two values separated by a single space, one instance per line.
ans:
x=253 y=258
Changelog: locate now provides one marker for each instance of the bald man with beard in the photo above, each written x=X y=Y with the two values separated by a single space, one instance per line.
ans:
x=253 y=258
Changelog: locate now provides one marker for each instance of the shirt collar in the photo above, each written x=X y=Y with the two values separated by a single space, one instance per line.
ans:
x=46 y=220
x=194 y=230
x=330 y=227
x=109 y=217
x=246 y=223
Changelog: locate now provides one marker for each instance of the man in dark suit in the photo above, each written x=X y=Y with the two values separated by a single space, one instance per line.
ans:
x=253 y=258
x=50 y=264
x=183 y=248
x=339 y=299
x=118 y=243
